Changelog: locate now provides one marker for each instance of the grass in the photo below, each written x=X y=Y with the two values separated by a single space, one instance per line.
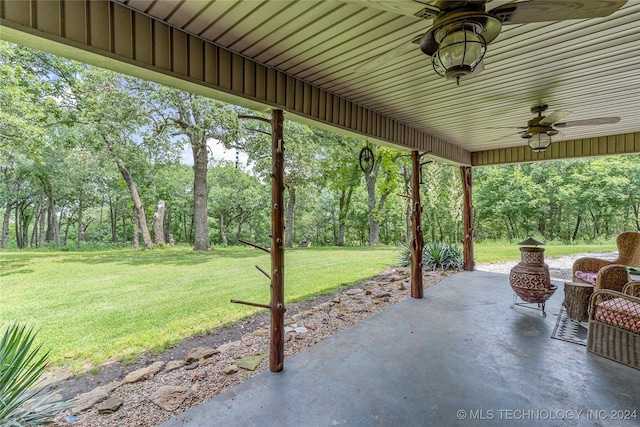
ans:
x=493 y=252
x=91 y=307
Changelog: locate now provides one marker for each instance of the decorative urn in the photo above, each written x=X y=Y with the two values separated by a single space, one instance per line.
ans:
x=530 y=279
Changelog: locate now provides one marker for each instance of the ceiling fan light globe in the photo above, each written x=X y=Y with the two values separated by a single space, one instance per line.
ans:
x=461 y=47
x=539 y=142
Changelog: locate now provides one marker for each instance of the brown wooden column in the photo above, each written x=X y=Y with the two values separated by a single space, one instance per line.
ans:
x=467 y=240
x=276 y=347
x=417 y=241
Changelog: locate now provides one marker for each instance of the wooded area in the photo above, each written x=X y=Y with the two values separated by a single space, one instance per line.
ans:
x=92 y=158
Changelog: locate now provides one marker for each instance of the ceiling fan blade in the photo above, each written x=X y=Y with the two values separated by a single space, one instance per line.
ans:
x=424 y=9
x=555 y=117
x=589 y=122
x=553 y=10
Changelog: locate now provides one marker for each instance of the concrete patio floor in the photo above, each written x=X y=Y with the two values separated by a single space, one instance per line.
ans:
x=459 y=356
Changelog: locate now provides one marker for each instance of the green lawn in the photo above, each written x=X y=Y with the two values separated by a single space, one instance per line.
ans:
x=495 y=252
x=91 y=307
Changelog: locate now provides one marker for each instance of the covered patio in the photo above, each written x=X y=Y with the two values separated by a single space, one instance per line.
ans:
x=458 y=355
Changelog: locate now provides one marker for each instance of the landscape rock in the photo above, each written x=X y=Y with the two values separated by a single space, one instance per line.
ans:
x=231 y=369
x=251 y=363
x=192 y=366
x=229 y=346
x=341 y=308
x=325 y=305
x=143 y=373
x=170 y=397
x=306 y=313
x=261 y=332
x=201 y=353
x=400 y=286
x=354 y=291
x=172 y=365
x=87 y=400
x=288 y=329
x=109 y=406
x=301 y=330
x=383 y=295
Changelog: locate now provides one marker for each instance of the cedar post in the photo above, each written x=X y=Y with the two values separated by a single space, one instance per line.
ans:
x=276 y=345
x=467 y=240
x=417 y=241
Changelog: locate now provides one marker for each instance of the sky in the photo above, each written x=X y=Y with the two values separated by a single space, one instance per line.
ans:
x=218 y=153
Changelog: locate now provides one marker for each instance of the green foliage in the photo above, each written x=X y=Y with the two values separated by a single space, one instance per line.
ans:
x=20 y=369
x=443 y=255
x=434 y=255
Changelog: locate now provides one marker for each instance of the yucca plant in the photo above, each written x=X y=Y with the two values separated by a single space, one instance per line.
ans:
x=443 y=255
x=21 y=403
x=434 y=255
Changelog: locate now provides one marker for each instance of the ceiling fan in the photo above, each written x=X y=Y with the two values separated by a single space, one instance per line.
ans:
x=540 y=129
x=461 y=29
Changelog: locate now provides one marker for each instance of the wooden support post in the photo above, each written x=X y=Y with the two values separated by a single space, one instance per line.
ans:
x=417 y=241
x=276 y=345
x=467 y=239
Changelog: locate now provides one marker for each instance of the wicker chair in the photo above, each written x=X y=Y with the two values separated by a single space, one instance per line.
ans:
x=610 y=274
x=614 y=325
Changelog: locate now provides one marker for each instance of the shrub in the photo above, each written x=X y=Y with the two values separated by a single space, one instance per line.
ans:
x=434 y=255
x=20 y=369
x=443 y=255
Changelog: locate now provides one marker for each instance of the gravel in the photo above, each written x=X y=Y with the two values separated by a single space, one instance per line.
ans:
x=313 y=321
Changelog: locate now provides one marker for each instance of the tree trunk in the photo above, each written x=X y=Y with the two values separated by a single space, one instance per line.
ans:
x=113 y=218
x=240 y=223
x=288 y=230
x=41 y=224
x=137 y=203
x=16 y=221
x=200 y=195
x=136 y=233
x=223 y=233
x=5 y=225
x=345 y=201
x=54 y=221
x=124 y=229
x=80 y=228
x=575 y=230
x=374 y=226
x=158 y=224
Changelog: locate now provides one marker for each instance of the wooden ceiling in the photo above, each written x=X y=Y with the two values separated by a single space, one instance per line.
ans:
x=356 y=50
x=589 y=67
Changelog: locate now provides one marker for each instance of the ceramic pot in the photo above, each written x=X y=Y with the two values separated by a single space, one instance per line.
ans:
x=530 y=278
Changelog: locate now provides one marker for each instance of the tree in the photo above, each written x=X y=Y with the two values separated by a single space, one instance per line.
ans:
x=300 y=163
x=380 y=182
x=339 y=165
x=200 y=120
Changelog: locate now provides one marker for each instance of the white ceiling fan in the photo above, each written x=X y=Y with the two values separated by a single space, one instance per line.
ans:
x=460 y=30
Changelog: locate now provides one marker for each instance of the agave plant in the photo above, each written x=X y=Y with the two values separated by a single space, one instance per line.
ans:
x=443 y=255
x=434 y=255
x=21 y=403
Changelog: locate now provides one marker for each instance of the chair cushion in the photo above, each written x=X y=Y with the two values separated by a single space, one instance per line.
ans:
x=619 y=312
x=587 y=276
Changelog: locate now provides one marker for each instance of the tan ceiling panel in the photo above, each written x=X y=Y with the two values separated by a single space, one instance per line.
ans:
x=357 y=55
